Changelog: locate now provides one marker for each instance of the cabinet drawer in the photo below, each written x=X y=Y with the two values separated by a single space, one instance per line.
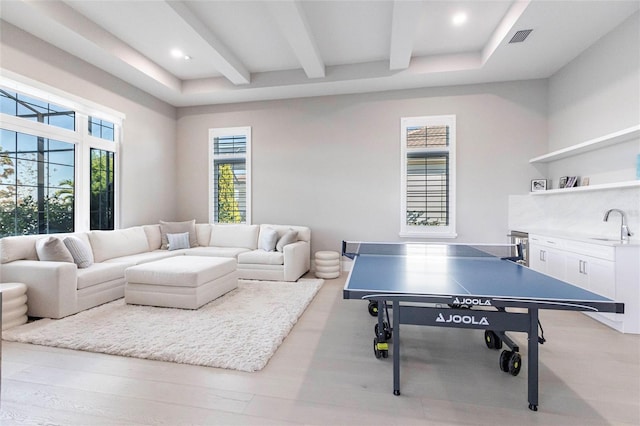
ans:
x=593 y=250
x=546 y=241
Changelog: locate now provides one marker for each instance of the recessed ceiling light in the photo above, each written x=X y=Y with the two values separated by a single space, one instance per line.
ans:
x=177 y=53
x=459 y=19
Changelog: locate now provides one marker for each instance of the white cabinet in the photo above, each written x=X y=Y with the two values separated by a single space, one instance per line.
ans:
x=545 y=256
x=610 y=270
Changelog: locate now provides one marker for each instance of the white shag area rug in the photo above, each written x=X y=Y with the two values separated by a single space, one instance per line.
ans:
x=240 y=330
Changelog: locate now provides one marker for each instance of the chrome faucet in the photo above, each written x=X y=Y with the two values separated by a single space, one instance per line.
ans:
x=624 y=229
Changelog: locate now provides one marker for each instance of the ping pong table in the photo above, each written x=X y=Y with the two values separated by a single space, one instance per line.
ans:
x=460 y=286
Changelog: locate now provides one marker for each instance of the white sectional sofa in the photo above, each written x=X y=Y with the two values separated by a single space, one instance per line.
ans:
x=56 y=289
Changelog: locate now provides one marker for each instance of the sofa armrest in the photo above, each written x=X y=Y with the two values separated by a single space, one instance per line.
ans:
x=51 y=286
x=297 y=260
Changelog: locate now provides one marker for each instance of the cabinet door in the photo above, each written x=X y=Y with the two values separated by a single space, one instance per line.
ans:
x=556 y=263
x=575 y=271
x=547 y=260
x=592 y=274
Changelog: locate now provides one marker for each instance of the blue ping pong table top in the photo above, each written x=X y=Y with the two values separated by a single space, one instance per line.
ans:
x=397 y=269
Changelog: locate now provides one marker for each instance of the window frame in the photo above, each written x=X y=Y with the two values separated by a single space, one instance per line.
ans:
x=425 y=231
x=213 y=158
x=80 y=137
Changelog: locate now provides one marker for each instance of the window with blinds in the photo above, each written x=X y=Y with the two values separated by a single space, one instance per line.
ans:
x=229 y=176
x=428 y=161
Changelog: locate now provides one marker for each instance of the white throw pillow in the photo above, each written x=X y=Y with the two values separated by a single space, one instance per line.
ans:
x=53 y=249
x=268 y=239
x=289 y=237
x=178 y=241
x=80 y=251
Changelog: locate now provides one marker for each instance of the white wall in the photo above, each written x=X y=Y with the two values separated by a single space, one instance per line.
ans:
x=595 y=94
x=599 y=91
x=332 y=163
x=147 y=158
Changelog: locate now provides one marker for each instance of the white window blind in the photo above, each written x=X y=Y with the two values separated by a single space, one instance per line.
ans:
x=428 y=176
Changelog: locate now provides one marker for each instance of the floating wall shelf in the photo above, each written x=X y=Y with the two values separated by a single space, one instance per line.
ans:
x=616 y=185
x=590 y=145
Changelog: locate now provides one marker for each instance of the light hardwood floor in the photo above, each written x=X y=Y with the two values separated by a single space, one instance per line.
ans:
x=325 y=373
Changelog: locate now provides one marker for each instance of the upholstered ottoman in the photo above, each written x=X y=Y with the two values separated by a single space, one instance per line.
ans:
x=327 y=264
x=14 y=304
x=186 y=282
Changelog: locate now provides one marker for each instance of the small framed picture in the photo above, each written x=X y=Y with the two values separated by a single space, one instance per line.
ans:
x=538 y=185
x=563 y=181
x=572 y=181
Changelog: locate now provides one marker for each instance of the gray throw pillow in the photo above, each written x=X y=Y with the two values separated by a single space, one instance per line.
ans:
x=268 y=239
x=80 y=251
x=53 y=249
x=289 y=237
x=178 y=241
x=178 y=228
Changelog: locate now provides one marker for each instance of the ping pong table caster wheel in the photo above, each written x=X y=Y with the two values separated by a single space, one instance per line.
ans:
x=492 y=340
x=385 y=327
x=510 y=362
x=373 y=308
x=396 y=392
x=380 y=349
x=533 y=407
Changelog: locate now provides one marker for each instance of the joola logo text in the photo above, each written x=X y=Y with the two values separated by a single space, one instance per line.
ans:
x=462 y=319
x=474 y=302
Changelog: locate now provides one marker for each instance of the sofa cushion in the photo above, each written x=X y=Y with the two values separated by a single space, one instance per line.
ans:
x=216 y=251
x=149 y=256
x=154 y=236
x=122 y=242
x=234 y=236
x=203 y=234
x=178 y=228
x=99 y=273
x=21 y=247
x=289 y=237
x=178 y=241
x=53 y=249
x=80 y=251
x=268 y=239
x=261 y=257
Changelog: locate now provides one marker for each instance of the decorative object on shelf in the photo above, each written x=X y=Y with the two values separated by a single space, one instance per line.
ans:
x=585 y=181
x=571 y=182
x=538 y=185
x=638 y=167
x=563 y=181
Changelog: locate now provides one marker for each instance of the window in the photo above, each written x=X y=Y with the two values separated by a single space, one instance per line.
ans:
x=230 y=183
x=102 y=204
x=37 y=184
x=428 y=176
x=58 y=169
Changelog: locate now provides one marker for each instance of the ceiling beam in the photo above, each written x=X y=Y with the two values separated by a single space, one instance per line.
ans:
x=502 y=30
x=77 y=23
x=295 y=28
x=224 y=60
x=404 y=22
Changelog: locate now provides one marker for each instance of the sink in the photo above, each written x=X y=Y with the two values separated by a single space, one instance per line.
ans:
x=604 y=239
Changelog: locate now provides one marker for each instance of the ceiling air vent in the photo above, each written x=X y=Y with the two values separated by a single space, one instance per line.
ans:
x=520 y=36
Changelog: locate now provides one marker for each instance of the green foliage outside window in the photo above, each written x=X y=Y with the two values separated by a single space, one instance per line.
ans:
x=228 y=208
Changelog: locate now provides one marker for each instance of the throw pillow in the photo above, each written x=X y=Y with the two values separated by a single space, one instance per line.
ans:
x=80 y=251
x=53 y=249
x=268 y=239
x=178 y=228
x=178 y=241
x=289 y=237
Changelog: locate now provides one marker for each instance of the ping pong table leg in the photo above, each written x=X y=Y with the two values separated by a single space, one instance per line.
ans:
x=396 y=347
x=532 y=378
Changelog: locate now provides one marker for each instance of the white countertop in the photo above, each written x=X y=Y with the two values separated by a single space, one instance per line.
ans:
x=610 y=241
